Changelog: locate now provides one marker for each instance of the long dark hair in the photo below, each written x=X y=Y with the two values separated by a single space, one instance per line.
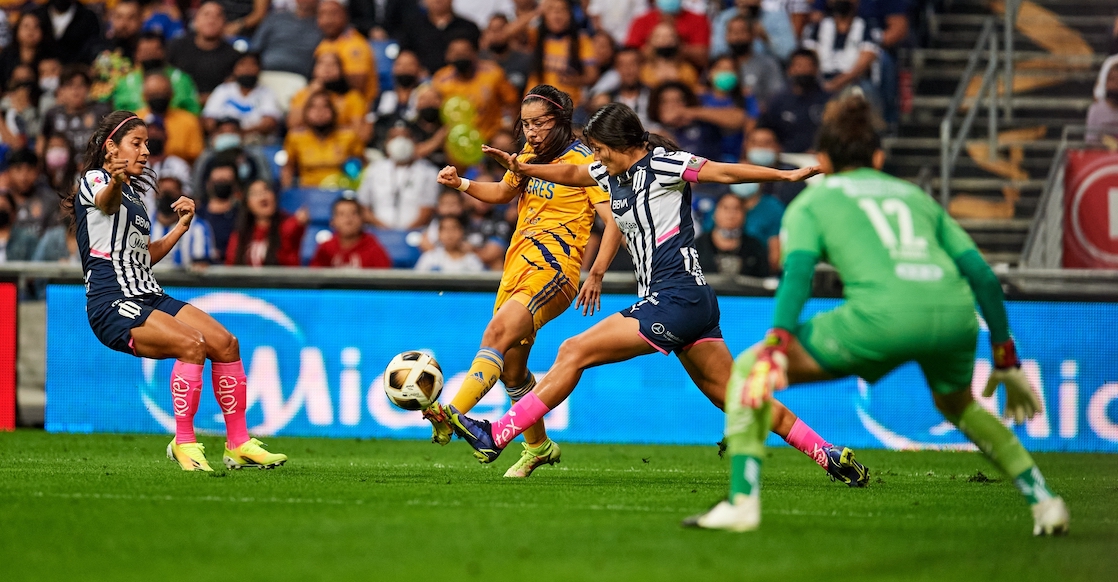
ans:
x=618 y=127
x=848 y=134
x=574 y=38
x=114 y=126
x=246 y=225
x=560 y=106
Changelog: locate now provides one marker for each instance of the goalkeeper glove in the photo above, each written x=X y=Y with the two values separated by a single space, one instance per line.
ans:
x=1020 y=400
x=770 y=372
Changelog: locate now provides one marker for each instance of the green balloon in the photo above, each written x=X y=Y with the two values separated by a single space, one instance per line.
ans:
x=458 y=110
x=463 y=144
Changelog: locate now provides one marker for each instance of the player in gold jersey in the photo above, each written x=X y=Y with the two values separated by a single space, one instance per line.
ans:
x=541 y=266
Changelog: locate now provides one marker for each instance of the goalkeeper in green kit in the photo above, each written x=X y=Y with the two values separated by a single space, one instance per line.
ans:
x=911 y=277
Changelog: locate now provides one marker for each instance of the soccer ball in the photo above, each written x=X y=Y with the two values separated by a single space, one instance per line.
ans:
x=413 y=380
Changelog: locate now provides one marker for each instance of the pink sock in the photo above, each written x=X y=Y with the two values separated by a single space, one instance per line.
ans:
x=526 y=412
x=186 y=386
x=231 y=391
x=802 y=437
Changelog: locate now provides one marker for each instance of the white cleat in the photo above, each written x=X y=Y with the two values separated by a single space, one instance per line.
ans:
x=744 y=514
x=1050 y=517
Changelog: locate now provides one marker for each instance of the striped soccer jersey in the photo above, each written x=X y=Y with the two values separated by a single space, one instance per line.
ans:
x=651 y=204
x=113 y=247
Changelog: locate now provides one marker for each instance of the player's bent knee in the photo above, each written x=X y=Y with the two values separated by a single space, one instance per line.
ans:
x=193 y=348
x=226 y=345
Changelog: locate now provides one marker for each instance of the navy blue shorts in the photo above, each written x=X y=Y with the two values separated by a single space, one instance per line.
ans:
x=674 y=319
x=112 y=317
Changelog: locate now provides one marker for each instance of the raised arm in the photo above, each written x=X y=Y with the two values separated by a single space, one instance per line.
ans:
x=491 y=192
x=576 y=176
x=109 y=197
x=158 y=249
x=723 y=173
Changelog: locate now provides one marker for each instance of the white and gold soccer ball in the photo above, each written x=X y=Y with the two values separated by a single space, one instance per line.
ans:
x=413 y=380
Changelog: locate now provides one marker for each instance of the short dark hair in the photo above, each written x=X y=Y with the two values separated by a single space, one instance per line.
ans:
x=805 y=53
x=254 y=55
x=71 y=72
x=23 y=157
x=345 y=200
x=472 y=39
x=153 y=35
x=452 y=218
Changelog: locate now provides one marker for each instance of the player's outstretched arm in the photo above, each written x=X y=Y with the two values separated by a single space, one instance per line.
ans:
x=590 y=296
x=158 y=249
x=575 y=176
x=723 y=173
x=491 y=192
x=109 y=198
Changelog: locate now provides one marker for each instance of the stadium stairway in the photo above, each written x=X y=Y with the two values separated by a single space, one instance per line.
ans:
x=1059 y=45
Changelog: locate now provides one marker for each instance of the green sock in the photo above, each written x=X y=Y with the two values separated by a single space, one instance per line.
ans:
x=746 y=430
x=1001 y=446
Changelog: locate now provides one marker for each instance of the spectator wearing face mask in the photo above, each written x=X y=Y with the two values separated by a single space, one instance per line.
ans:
x=266 y=235
x=429 y=34
x=59 y=164
x=319 y=150
x=760 y=74
x=350 y=246
x=75 y=116
x=482 y=83
x=692 y=29
x=726 y=249
x=253 y=105
x=772 y=22
x=222 y=204
x=342 y=39
x=725 y=105
x=497 y=45
x=402 y=197
x=328 y=78
x=197 y=248
x=184 y=132
x=663 y=61
x=50 y=73
x=794 y=114
x=761 y=148
x=151 y=58
x=16 y=243
x=205 y=55
x=164 y=165
x=453 y=254
x=430 y=133
x=1102 y=116
x=227 y=146
x=395 y=105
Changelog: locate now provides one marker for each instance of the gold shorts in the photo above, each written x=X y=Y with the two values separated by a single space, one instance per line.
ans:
x=545 y=293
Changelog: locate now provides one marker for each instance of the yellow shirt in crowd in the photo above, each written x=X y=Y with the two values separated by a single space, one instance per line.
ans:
x=315 y=158
x=185 y=138
x=356 y=56
x=350 y=106
x=487 y=90
x=556 y=62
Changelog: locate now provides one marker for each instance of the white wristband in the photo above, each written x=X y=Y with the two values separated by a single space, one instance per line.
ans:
x=465 y=185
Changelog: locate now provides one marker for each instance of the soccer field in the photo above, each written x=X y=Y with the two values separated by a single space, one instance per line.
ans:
x=112 y=507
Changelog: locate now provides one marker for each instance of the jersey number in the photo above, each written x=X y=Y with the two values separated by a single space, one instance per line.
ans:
x=905 y=238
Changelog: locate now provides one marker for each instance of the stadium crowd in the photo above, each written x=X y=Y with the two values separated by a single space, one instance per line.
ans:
x=310 y=132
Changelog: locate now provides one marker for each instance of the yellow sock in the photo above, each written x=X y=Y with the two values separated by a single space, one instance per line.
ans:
x=483 y=374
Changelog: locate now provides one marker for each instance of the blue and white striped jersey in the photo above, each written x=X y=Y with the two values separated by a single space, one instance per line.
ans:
x=196 y=245
x=651 y=204
x=113 y=247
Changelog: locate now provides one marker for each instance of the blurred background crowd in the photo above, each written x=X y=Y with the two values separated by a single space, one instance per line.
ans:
x=310 y=132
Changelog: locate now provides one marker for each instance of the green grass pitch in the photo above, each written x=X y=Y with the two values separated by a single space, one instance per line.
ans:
x=112 y=507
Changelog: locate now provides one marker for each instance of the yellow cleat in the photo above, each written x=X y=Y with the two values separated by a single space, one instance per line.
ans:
x=252 y=454
x=533 y=458
x=189 y=456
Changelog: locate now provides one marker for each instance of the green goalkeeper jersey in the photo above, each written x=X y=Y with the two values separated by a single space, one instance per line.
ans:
x=891 y=243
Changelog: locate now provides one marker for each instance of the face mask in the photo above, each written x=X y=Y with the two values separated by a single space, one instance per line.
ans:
x=762 y=157
x=57 y=157
x=1112 y=95
x=667 y=52
x=246 y=81
x=498 y=48
x=406 y=81
x=669 y=6
x=730 y=233
x=49 y=84
x=744 y=190
x=429 y=114
x=465 y=67
x=400 y=149
x=152 y=64
x=740 y=49
x=805 y=82
x=222 y=190
x=843 y=8
x=752 y=12
x=724 y=80
x=159 y=105
x=156 y=146
x=244 y=171
x=165 y=202
x=337 y=86
x=5 y=218
x=226 y=141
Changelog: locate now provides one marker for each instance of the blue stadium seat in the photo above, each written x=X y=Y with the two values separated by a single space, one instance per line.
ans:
x=310 y=242
x=381 y=51
x=317 y=202
x=269 y=152
x=395 y=243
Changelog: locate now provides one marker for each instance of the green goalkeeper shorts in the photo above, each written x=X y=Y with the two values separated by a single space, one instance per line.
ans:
x=855 y=341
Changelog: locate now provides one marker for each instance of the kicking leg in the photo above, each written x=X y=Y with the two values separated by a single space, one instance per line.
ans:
x=1001 y=447
x=519 y=382
x=614 y=339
